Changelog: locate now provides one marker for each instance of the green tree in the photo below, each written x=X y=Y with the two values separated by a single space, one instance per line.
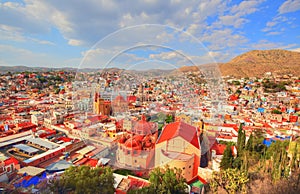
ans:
x=169 y=118
x=168 y=180
x=231 y=180
x=227 y=159
x=241 y=141
x=249 y=145
x=275 y=111
x=165 y=180
x=258 y=145
x=84 y=179
x=124 y=172
x=276 y=147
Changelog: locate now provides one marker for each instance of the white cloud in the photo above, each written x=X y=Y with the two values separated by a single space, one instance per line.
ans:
x=223 y=39
x=296 y=49
x=182 y=59
x=11 y=55
x=289 y=6
x=15 y=34
x=104 y=17
x=246 y=7
x=265 y=44
x=165 y=55
x=232 y=20
x=218 y=24
x=236 y=15
x=274 y=33
x=74 y=42
x=273 y=26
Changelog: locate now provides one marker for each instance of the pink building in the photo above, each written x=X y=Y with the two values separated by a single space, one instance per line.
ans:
x=136 y=147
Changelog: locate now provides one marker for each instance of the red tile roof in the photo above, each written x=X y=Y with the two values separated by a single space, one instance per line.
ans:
x=91 y=162
x=219 y=148
x=11 y=160
x=179 y=128
x=27 y=125
x=95 y=119
x=65 y=139
x=131 y=98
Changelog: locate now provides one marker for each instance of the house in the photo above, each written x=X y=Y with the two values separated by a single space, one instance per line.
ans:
x=7 y=167
x=178 y=146
x=123 y=184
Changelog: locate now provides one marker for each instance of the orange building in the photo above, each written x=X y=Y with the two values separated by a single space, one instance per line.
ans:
x=101 y=106
x=178 y=146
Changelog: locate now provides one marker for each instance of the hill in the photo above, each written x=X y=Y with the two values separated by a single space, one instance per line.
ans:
x=258 y=62
x=250 y=64
x=255 y=63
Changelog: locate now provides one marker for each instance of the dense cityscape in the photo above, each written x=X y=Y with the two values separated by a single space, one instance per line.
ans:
x=50 y=123
x=149 y=97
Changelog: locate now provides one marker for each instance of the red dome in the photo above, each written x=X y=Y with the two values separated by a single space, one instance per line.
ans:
x=122 y=139
x=148 y=144
x=133 y=143
x=142 y=127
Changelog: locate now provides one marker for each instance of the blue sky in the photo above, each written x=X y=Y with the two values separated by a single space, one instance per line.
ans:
x=92 y=33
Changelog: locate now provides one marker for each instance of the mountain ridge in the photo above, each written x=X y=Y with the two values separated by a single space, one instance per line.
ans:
x=253 y=63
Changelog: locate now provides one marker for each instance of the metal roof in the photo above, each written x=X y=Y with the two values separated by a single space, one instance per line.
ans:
x=43 y=143
x=26 y=148
x=86 y=150
x=31 y=170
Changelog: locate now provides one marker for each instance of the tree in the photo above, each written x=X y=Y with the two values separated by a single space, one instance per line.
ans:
x=124 y=172
x=84 y=179
x=168 y=180
x=241 y=141
x=249 y=145
x=227 y=159
x=169 y=118
x=231 y=180
x=275 y=111
x=165 y=180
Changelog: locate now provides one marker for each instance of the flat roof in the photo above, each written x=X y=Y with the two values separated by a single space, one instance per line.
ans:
x=118 y=178
x=43 y=143
x=31 y=170
x=26 y=148
x=36 y=157
x=86 y=150
x=13 y=141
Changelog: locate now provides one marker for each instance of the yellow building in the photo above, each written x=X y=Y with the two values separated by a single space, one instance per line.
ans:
x=101 y=106
x=178 y=146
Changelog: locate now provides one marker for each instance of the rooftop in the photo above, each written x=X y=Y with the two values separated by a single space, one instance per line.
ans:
x=26 y=148
x=42 y=143
x=31 y=170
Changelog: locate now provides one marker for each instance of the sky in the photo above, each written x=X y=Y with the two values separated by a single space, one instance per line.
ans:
x=142 y=34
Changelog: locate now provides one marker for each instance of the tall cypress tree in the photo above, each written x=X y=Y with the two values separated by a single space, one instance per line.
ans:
x=241 y=141
x=227 y=159
x=249 y=145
